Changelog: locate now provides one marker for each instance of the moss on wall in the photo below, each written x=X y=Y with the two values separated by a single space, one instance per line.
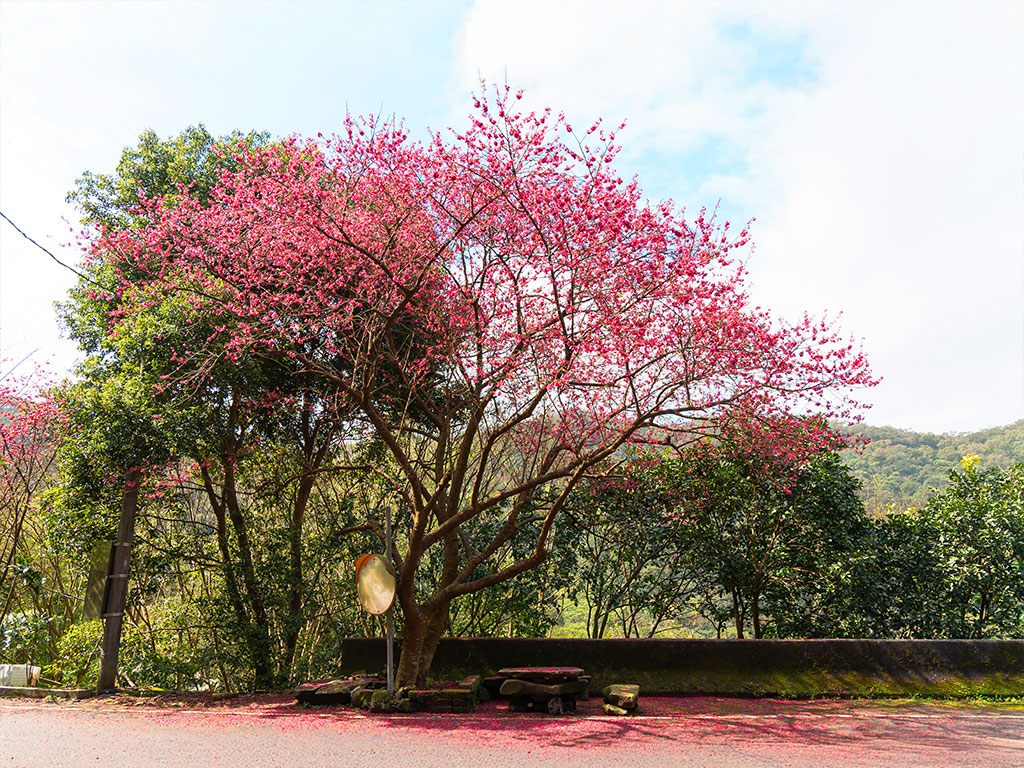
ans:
x=786 y=668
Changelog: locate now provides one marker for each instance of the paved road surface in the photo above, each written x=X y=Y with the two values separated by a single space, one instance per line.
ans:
x=254 y=732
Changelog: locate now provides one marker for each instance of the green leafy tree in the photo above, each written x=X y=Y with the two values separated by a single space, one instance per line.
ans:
x=908 y=598
x=777 y=539
x=636 y=575
x=240 y=455
x=214 y=439
x=782 y=543
x=525 y=606
x=979 y=549
x=953 y=568
x=822 y=575
x=190 y=162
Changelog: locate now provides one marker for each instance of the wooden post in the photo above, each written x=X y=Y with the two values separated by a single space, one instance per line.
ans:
x=113 y=614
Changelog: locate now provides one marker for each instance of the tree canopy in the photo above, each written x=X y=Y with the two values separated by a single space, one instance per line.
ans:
x=498 y=311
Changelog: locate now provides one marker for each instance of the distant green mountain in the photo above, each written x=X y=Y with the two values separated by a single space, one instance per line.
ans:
x=899 y=467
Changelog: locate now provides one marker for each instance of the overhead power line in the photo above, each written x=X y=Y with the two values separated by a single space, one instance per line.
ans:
x=46 y=251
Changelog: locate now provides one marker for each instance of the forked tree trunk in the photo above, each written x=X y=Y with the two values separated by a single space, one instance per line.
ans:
x=737 y=612
x=295 y=619
x=419 y=643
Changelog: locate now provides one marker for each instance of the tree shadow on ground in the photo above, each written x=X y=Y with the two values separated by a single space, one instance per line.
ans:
x=873 y=729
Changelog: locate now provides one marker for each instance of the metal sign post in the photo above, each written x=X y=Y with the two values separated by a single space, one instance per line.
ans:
x=391 y=608
x=376 y=584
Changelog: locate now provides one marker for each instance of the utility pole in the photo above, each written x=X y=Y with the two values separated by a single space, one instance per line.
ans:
x=113 y=612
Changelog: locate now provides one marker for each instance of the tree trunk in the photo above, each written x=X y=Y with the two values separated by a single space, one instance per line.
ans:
x=737 y=612
x=231 y=583
x=9 y=558
x=419 y=643
x=259 y=628
x=295 y=618
x=257 y=641
x=313 y=457
x=755 y=614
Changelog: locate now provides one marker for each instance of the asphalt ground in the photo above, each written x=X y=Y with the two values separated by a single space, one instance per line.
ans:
x=271 y=730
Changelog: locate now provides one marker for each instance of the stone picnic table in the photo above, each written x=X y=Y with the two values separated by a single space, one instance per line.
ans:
x=550 y=689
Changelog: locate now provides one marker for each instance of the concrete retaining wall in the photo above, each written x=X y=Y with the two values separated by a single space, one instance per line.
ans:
x=792 y=668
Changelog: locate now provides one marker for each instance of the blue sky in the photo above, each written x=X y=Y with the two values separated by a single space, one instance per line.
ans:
x=880 y=146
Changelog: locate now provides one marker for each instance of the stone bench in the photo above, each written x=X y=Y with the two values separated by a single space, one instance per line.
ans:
x=551 y=689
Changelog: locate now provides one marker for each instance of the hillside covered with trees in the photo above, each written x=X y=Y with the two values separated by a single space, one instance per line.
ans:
x=899 y=467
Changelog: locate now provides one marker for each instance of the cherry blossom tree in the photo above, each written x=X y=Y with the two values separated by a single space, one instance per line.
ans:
x=496 y=310
x=30 y=427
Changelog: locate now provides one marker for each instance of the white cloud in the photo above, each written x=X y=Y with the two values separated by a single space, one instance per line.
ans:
x=884 y=161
